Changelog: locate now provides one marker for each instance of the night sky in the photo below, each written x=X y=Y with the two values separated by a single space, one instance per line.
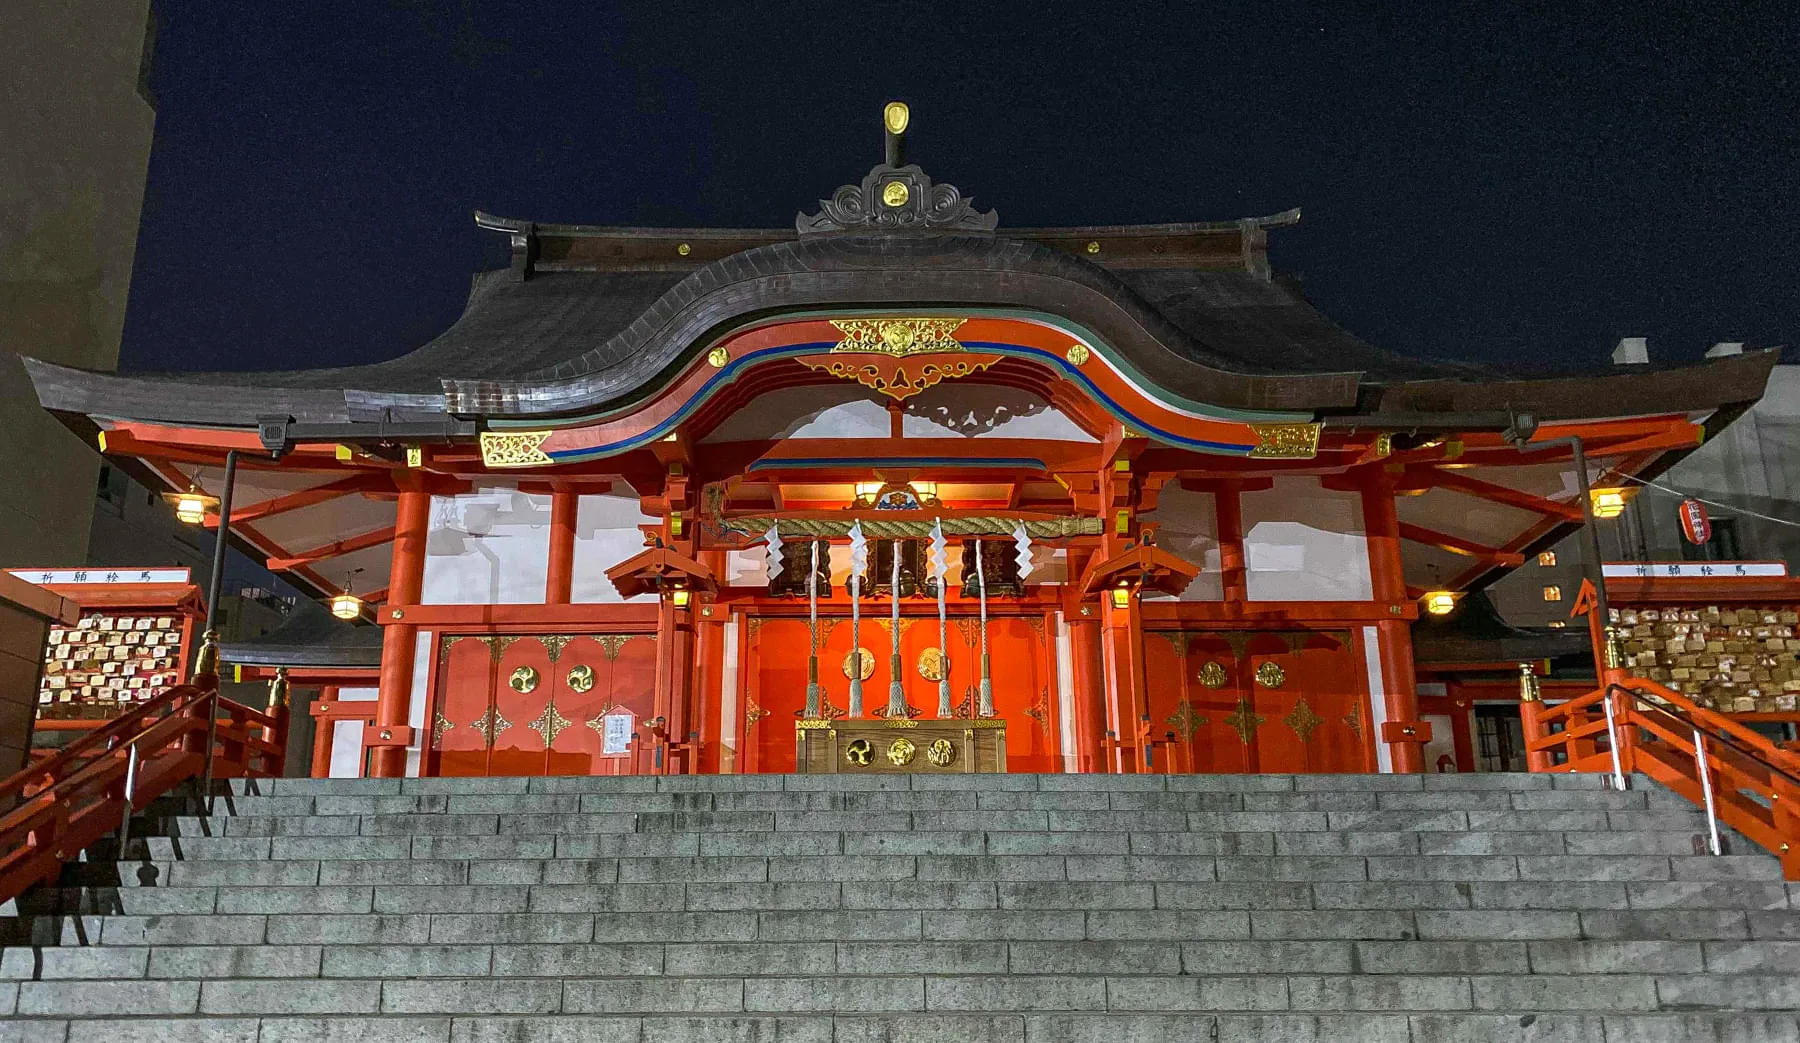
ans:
x=1492 y=187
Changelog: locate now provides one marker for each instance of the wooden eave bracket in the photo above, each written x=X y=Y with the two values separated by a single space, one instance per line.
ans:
x=1153 y=568
x=660 y=568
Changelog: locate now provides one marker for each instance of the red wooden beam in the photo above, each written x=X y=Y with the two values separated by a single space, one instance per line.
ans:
x=333 y=550
x=306 y=498
x=1458 y=545
x=1502 y=494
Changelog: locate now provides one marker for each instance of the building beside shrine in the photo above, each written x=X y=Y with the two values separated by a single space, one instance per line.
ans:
x=1190 y=520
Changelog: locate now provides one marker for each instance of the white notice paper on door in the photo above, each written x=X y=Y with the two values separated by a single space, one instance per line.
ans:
x=618 y=734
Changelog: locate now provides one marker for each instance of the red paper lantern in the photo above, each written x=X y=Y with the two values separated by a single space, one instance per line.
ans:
x=1695 y=524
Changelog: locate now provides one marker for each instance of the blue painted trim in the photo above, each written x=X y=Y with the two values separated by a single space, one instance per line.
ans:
x=898 y=461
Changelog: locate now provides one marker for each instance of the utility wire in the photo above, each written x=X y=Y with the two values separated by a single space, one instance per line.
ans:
x=1713 y=503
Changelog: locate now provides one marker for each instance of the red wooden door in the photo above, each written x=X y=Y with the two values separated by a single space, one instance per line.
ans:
x=459 y=725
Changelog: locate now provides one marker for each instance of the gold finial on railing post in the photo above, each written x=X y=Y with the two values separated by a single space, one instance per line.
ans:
x=1529 y=690
x=278 y=689
x=1615 y=649
x=207 y=660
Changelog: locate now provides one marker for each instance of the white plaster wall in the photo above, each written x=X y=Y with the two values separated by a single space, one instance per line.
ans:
x=606 y=533
x=417 y=700
x=347 y=737
x=488 y=547
x=962 y=409
x=848 y=411
x=1305 y=543
x=1187 y=526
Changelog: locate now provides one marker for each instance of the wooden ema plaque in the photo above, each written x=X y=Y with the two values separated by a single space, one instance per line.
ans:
x=877 y=746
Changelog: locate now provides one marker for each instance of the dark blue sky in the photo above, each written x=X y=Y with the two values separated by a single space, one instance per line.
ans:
x=1484 y=186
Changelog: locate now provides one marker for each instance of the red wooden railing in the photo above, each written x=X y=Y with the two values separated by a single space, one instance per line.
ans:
x=1748 y=782
x=58 y=806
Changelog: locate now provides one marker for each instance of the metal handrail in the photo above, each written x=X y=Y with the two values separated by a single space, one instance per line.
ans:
x=92 y=788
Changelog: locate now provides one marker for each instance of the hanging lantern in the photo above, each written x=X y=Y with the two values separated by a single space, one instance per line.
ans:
x=1440 y=602
x=347 y=605
x=1696 y=524
x=192 y=506
x=1608 y=503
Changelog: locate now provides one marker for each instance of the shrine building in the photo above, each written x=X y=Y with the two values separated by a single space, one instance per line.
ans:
x=896 y=488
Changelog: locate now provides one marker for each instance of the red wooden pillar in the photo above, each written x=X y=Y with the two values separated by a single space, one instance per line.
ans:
x=1123 y=646
x=1233 y=573
x=560 y=574
x=1404 y=733
x=674 y=671
x=324 y=730
x=406 y=580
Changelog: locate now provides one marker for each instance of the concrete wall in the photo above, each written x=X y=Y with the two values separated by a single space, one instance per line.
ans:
x=77 y=133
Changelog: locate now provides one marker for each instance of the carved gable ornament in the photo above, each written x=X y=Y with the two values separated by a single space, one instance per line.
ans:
x=897 y=199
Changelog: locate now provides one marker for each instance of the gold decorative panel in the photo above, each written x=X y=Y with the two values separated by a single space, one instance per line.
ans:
x=1303 y=720
x=581 y=678
x=1270 y=674
x=898 y=337
x=1185 y=720
x=513 y=448
x=1244 y=720
x=857 y=752
x=550 y=723
x=941 y=752
x=490 y=724
x=524 y=680
x=900 y=751
x=900 y=380
x=932 y=664
x=1212 y=674
x=1286 y=441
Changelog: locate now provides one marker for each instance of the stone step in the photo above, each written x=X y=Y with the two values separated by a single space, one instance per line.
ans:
x=952 y=993
x=1514 y=1026
x=853 y=869
x=986 y=783
x=1495 y=840
x=1035 y=920
x=965 y=800
x=751 y=959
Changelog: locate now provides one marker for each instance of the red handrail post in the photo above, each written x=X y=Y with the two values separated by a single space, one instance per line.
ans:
x=1531 y=721
x=1785 y=805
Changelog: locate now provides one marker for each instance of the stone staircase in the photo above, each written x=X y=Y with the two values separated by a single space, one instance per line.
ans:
x=888 y=909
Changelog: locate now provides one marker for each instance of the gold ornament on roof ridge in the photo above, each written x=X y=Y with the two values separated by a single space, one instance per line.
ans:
x=898 y=337
x=513 y=448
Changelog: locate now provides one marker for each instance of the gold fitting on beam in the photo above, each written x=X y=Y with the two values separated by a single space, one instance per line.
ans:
x=278 y=689
x=1529 y=690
